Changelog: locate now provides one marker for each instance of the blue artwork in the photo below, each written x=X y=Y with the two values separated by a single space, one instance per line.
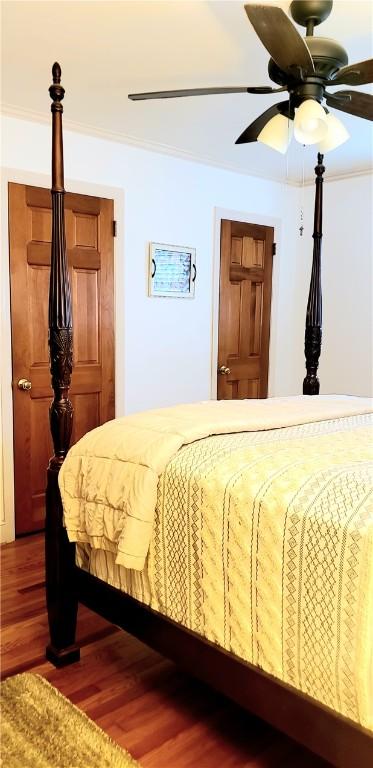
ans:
x=171 y=271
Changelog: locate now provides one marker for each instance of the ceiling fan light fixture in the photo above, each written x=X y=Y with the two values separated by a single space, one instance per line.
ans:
x=336 y=134
x=310 y=122
x=277 y=133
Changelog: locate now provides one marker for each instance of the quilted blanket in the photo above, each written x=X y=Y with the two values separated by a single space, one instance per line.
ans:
x=109 y=479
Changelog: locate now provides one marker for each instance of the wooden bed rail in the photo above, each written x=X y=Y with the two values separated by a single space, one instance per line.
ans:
x=59 y=553
x=312 y=340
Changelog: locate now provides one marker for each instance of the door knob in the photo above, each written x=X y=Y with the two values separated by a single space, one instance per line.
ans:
x=223 y=370
x=24 y=384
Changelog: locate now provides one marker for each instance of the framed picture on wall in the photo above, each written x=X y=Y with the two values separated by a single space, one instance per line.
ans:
x=172 y=271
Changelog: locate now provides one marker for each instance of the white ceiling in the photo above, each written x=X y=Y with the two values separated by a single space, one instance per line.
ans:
x=109 y=49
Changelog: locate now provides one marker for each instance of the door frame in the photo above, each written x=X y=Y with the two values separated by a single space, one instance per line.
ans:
x=247 y=218
x=7 y=515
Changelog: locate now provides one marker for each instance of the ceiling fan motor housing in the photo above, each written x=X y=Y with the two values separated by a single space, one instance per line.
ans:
x=328 y=57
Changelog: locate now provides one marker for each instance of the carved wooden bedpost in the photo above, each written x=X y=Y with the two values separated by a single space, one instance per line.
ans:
x=312 y=340
x=59 y=553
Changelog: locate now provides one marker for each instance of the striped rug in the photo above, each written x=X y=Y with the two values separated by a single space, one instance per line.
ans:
x=42 y=729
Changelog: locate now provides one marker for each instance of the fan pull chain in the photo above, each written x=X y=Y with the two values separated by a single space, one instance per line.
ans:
x=301 y=227
x=287 y=166
x=287 y=156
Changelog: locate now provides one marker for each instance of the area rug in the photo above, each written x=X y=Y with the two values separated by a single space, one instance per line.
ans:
x=42 y=729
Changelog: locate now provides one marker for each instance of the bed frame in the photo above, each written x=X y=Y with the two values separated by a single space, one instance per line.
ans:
x=333 y=737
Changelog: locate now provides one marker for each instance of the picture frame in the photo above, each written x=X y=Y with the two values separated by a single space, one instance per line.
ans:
x=172 y=271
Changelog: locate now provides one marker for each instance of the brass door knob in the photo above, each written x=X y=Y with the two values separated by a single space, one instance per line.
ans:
x=24 y=384
x=223 y=370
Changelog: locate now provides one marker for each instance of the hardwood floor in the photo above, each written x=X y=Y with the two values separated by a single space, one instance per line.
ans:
x=163 y=717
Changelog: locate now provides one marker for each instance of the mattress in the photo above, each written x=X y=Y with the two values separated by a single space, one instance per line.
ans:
x=263 y=544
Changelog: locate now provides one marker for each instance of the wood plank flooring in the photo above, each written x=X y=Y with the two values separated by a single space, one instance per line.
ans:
x=163 y=717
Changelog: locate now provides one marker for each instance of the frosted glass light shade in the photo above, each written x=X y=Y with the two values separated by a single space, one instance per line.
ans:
x=310 y=124
x=336 y=134
x=277 y=133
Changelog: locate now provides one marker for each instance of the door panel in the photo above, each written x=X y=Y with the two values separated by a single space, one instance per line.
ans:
x=89 y=245
x=86 y=414
x=85 y=292
x=244 y=310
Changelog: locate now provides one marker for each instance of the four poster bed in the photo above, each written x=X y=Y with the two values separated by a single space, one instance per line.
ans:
x=203 y=629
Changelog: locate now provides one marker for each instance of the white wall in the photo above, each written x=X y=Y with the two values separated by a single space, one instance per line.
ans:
x=166 y=348
x=166 y=200
x=347 y=283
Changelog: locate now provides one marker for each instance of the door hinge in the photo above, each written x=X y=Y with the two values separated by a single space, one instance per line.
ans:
x=114 y=228
x=273 y=249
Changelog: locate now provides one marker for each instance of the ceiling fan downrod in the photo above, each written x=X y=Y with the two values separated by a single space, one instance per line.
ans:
x=310 y=13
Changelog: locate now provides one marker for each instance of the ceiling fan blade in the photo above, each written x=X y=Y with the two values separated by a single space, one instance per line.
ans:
x=252 y=132
x=200 y=92
x=280 y=37
x=355 y=74
x=352 y=102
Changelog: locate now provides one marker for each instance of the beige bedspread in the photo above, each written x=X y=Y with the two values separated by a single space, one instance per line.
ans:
x=109 y=479
x=263 y=543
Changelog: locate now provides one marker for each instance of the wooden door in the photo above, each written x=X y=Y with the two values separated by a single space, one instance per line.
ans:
x=89 y=243
x=244 y=310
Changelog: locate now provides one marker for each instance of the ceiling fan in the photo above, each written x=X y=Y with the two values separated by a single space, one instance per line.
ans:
x=305 y=68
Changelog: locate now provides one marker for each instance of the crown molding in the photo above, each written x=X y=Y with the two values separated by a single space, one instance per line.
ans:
x=368 y=171
x=12 y=110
